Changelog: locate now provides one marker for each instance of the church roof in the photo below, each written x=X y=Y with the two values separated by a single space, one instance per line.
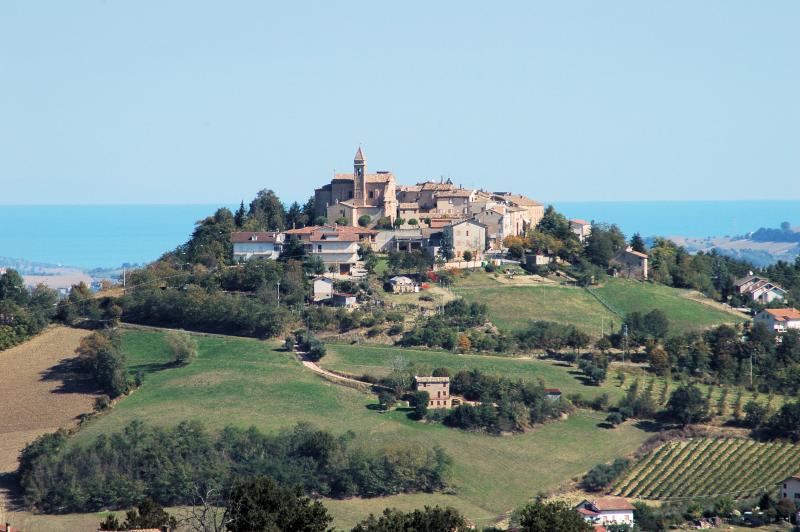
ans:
x=359 y=156
x=371 y=178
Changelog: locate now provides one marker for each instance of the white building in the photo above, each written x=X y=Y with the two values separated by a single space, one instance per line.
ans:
x=607 y=511
x=247 y=245
x=790 y=489
x=337 y=246
x=581 y=228
x=779 y=319
x=322 y=289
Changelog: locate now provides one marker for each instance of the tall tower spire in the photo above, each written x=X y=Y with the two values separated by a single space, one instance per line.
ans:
x=360 y=178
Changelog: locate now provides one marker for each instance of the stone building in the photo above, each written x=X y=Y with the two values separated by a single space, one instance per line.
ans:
x=438 y=389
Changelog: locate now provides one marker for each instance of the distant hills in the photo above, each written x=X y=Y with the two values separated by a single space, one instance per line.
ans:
x=762 y=247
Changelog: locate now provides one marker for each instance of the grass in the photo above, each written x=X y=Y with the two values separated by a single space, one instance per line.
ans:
x=698 y=467
x=511 y=307
x=376 y=360
x=247 y=382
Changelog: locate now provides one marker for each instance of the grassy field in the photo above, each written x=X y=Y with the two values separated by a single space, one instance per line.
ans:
x=376 y=360
x=246 y=382
x=702 y=466
x=513 y=306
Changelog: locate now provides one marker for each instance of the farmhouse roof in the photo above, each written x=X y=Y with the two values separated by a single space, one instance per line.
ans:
x=552 y=390
x=586 y=511
x=331 y=229
x=608 y=504
x=418 y=378
x=457 y=193
x=578 y=221
x=256 y=236
x=401 y=279
x=783 y=314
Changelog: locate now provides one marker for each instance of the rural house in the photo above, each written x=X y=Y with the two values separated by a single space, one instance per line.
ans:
x=779 y=320
x=790 y=489
x=247 y=245
x=629 y=263
x=467 y=235
x=401 y=284
x=759 y=289
x=438 y=389
x=607 y=511
x=344 y=300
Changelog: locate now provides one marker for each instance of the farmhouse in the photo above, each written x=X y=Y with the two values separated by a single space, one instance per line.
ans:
x=250 y=245
x=553 y=394
x=607 y=511
x=790 y=489
x=779 y=319
x=438 y=389
x=344 y=300
x=629 y=263
x=759 y=289
x=402 y=284
x=467 y=235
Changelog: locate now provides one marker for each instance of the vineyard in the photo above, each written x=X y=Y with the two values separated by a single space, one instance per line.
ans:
x=723 y=401
x=699 y=467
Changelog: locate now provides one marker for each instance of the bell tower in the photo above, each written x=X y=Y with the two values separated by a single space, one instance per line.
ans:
x=360 y=178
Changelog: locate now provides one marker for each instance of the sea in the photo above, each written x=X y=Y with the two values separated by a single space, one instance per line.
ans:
x=109 y=236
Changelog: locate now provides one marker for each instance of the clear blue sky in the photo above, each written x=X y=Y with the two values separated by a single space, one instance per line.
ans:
x=207 y=102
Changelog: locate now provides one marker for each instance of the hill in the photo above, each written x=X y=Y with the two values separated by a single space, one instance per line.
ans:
x=595 y=310
x=710 y=466
x=247 y=382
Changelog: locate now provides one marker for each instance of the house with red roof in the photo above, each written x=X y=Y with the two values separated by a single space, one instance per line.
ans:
x=779 y=320
x=607 y=511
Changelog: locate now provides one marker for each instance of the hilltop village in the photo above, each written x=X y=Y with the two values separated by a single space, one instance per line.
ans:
x=407 y=357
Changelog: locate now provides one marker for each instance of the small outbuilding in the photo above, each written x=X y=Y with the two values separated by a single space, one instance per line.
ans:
x=344 y=300
x=438 y=389
x=554 y=394
x=322 y=289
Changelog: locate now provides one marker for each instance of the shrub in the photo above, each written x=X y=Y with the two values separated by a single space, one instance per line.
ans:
x=101 y=403
x=601 y=475
x=419 y=400
x=183 y=347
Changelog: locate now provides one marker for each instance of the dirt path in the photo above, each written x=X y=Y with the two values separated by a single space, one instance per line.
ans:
x=39 y=393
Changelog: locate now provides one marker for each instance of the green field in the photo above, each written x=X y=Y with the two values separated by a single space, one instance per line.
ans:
x=708 y=466
x=247 y=382
x=512 y=306
x=376 y=360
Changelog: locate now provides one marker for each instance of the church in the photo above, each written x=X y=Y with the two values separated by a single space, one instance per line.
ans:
x=353 y=195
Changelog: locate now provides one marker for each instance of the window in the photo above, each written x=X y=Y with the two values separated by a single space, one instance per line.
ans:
x=350 y=195
x=371 y=194
x=797 y=495
x=319 y=248
x=467 y=232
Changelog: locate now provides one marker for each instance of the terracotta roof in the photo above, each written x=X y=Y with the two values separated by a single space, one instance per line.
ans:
x=432 y=185
x=586 y=511
x=359 y=156
x=408 y=206
x=578 y=221
x=519 y=199
x=783 y=314
x=331 y=228
x=371 y=178
x=457 y=193
x=408 y=188
x=607 y=504
x=438 y=223
x=258 y=236
x=431 y=379
x=552 y=390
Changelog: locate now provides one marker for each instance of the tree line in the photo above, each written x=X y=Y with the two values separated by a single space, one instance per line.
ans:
x=23 y=313
x=168 y=464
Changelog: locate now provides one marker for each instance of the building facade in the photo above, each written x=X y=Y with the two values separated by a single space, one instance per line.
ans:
x=438 y=389
x=607 y=511
x=779 y=320
x=248 y=245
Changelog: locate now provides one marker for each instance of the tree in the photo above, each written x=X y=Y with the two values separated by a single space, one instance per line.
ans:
x=110 y=523
x=413 y=222
x=467 y=255
x=296 y=217
x=240 y=215
x=149 y=514
x=398 y=222
x=785 y=423
x=259 y=504
x=12 y=286
x=687 y=405
x=99 y=354
x=603 y=243
x=550 y=516
x=419 y=401
x=268 y=211
x=426 y=520
x=755 y=414
x=364 y=220
x=446 y=246
x=183 y=346
x=614 y=419
x=637 y=243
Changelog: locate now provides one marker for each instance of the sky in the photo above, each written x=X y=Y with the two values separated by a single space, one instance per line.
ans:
x=209 y=102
